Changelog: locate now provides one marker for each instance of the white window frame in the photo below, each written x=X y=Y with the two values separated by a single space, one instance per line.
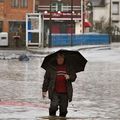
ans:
x=115 y=8
x=24 y=3
x=15 y=3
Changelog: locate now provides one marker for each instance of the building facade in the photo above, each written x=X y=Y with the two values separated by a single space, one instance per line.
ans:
x=115 y=12
x=107 y=11
x=1 y=15
x=12 y=16
x=64 y=16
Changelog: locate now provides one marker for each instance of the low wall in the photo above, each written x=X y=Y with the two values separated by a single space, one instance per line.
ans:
x=85 y=39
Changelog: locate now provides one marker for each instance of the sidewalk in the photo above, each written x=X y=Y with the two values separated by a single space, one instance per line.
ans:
x=51 y=50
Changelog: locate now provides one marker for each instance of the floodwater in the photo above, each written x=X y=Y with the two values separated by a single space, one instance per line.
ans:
x=96 y=90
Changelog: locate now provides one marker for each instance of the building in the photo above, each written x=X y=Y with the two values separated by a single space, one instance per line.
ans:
x=1 y=15
x=65 y=16
x=115 y=12
x=107 y=11
x=12 y=16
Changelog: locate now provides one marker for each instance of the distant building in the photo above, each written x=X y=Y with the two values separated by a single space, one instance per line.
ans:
x=116 y=12
x=109 y=10
x=98 y=3
x=12 y=15
x=59 y=12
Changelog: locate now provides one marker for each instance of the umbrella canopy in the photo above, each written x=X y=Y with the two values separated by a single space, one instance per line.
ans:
x=72 y=58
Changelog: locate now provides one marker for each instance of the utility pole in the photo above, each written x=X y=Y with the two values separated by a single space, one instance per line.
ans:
x=110 y=14
x=71 y=22
x=110 y=31
x=50 y=24
x=82 y=16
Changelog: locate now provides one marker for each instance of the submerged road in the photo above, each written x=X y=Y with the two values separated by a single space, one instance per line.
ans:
x=96 y=90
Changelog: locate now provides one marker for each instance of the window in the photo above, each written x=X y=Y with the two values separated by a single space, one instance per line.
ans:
x=19 y=3
x=98 y=3
x=15 y=3
x=1 y=26
x=57 y=6
x=53 y=6
x=23 y=3
x=115 y=22
x=115 y=8
x=17 y=27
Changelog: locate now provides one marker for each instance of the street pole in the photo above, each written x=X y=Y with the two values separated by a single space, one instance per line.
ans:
x=71 y=22
x=82 y=16
x=50 y=36
x=110 y=23
x=90 y=12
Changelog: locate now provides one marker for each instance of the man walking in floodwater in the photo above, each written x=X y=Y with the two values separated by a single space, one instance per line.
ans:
x=58 y=82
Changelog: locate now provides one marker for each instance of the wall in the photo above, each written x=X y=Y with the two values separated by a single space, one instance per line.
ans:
x=15 y=14
x=99 y=12
x=1 y=11
x=11 y=14
x=77 y=28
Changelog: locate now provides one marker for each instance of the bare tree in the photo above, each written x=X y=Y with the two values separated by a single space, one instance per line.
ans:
x=103 y=26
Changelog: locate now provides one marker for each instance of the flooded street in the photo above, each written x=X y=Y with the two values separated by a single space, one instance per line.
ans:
x=96 y=90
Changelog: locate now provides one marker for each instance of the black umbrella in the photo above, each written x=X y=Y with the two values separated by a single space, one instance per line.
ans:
x=72 y=58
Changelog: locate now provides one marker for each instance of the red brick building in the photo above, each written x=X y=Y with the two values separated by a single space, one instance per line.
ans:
x=12 y=15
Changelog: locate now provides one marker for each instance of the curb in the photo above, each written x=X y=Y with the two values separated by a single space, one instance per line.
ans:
x=38 y=51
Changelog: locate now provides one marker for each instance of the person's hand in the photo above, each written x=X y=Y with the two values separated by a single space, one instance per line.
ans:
x=44 y=94
x=67 y=76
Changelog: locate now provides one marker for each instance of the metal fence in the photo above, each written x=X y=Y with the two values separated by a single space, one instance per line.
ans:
x=68 y=40
x=115 y=36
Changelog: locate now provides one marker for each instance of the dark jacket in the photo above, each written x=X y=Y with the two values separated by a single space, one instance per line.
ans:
x=49 y=81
